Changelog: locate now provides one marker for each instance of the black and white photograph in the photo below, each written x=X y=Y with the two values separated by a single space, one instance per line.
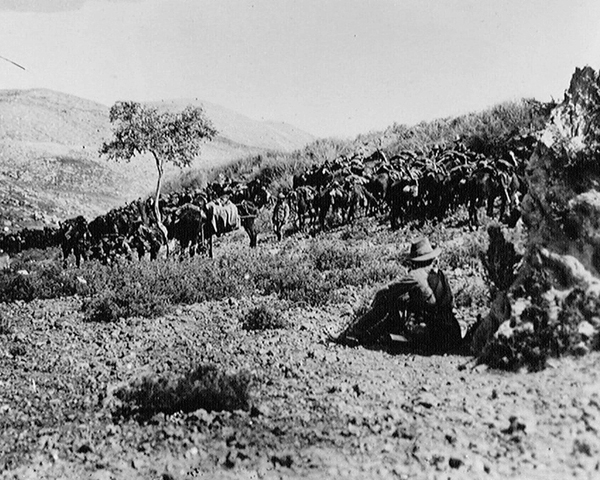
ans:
x=299 y=239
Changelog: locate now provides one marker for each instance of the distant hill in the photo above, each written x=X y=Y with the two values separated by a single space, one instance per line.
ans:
x=50 y=168
x=243 y=130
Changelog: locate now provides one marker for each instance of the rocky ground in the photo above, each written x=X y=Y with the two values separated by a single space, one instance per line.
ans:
x=319 y=410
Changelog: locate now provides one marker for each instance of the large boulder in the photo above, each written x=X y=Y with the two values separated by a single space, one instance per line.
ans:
x=556 y=295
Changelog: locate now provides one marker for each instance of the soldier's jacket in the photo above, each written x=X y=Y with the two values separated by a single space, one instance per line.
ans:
x=424 y=305
x=422 y=290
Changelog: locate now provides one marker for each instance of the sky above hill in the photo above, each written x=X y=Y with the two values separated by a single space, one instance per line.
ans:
x=330 y=67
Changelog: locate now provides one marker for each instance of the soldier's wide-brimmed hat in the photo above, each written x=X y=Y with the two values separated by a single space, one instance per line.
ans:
x=421 y=251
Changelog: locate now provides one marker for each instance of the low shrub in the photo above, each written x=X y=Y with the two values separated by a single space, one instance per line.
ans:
x=541 y=336
x=128 y=295
x=308 y=276
x=466 y=254
x=470 y=292
x=103 y=308
x=40 y=280
x=148 y=289
x=263 y=317
x=301 y=285
x=344 y=264
x=357 y=231
x=371 y=274
x=52 y=281
x=18 y=287
x=336 y=256
x=204 y=387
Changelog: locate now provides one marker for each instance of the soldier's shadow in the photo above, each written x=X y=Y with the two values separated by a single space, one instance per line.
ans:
x=413 y=348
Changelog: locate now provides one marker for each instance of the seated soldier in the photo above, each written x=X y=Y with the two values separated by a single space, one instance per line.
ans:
x=417 y=310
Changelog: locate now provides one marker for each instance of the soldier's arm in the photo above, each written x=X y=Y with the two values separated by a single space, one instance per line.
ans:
x=403 y=286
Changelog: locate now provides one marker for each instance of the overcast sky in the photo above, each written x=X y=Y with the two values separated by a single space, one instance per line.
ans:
x=330 y=67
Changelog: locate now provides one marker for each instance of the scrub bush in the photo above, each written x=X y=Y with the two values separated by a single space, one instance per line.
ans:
x=42 y=280
x=263 y=317
x=204 y=387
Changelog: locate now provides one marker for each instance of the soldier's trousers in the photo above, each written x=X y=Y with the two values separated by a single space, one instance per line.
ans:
x=382 y=318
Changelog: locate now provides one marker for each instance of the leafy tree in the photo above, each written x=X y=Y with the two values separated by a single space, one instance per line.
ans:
x=174 y=137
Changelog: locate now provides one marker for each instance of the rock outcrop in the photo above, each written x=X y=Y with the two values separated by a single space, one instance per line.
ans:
x=562 y=208
x=556 y=296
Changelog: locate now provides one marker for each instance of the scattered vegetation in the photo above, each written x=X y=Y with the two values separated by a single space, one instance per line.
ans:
x=485 y=132
x=204 y=387
x=308 y=276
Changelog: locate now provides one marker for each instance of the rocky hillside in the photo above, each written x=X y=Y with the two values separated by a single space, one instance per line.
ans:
x=50 y=168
